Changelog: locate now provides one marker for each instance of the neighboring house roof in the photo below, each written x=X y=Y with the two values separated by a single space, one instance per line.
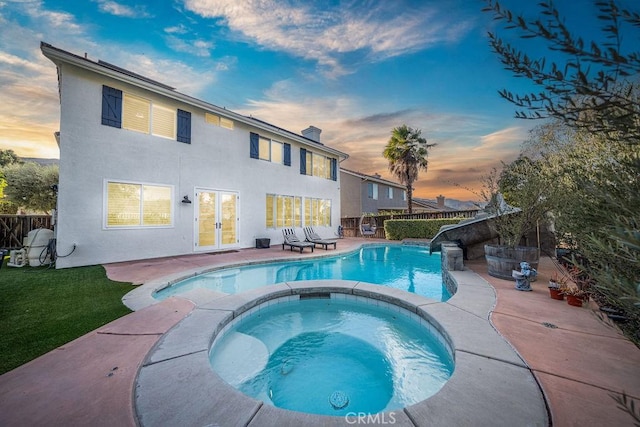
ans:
x=373 y=178
x=58 y=56
x=429 y=204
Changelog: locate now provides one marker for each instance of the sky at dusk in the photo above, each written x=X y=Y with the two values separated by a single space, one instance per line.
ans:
x=355 y=69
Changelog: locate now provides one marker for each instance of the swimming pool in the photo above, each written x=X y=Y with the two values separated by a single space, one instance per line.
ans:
x=406 y=267
x=333 y=354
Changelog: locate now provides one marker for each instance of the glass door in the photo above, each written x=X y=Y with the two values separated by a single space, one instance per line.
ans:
x=216 y=219
x=229 y=219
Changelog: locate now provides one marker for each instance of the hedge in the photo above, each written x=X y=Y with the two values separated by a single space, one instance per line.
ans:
x=398 y=229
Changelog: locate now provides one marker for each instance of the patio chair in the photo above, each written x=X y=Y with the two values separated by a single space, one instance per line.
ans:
x=314 y=238
x=368 y=229
x=291 y=240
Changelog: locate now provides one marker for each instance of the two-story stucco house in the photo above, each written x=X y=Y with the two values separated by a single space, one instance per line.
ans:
x=361 y=193
x=146 y=171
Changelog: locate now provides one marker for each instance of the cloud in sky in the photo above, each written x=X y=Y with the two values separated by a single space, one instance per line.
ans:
x=454 y=164
x=117 y=9
x=381 y=32
x=29 y=113
x=355 y=69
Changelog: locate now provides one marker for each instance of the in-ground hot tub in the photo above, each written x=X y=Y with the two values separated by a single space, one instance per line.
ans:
x=333 y=354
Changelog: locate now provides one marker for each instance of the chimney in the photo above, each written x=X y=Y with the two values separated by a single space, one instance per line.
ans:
x=312 y=133
x=440 y=200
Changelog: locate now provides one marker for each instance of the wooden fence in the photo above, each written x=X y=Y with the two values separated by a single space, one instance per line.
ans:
x=351 y=225
x=14 y=228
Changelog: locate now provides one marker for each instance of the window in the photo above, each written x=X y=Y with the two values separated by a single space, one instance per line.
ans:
x=138 y=205
x=131 y=112
x=164 y=122
x=267 y=149
x=317 y=212
x=136 y=113
x=372 y=190
x=404 y=195
x=283 y=211
x=226 y=123
x=216 y=120
x=314 y=164
x=390 y=192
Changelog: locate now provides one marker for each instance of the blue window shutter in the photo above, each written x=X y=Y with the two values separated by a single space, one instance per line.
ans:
x=184 y=126
x=111 y=107
x=287 y=154
x=334 y=169
x=254 y=145
x=303 y=161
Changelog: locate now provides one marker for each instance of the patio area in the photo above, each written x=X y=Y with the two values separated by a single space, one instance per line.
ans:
x=578 y=360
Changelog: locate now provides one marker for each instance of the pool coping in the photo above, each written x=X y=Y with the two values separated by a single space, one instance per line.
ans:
x=490 y=385
x=142 y=295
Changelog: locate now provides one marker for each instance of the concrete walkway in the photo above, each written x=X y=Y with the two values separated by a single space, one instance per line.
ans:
x=579 y=359
x=90 y=381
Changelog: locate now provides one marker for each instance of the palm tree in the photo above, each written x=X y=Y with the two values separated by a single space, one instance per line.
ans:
x=407 y=154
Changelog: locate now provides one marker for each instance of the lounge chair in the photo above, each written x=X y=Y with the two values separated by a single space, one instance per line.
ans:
x=291 y=240
x=314 y=238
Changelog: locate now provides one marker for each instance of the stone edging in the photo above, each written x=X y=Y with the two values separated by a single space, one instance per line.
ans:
x=490 y=385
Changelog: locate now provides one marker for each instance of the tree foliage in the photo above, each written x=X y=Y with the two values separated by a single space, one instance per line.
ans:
x=407 y=153
x=518 y=196
x=596 y=77
x=590 y=153
x=597 y=205
x=29 y=185
x=7 y=157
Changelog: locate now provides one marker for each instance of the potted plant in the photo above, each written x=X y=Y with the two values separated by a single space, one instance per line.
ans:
x=557 y=284
x=518 y=202
x=575 y=296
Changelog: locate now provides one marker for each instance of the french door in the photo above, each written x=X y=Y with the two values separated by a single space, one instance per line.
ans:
x=216 y=219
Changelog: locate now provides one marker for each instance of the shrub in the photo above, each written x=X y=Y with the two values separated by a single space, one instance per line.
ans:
x=398 y=229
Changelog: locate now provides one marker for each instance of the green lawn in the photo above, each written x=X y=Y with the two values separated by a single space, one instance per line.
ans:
x=41 y=308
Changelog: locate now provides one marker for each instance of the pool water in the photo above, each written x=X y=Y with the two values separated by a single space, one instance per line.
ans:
x=332 y=356
x=410 y=268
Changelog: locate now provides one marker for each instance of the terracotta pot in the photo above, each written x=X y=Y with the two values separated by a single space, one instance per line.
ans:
x=556 y=294
x=574 y=300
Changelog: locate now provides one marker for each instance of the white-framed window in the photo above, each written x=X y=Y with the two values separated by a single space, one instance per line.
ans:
x=390 y=192
x=270 y=150
x=283 y=211
x=141 y=115
x=214 y=119
x=136 y=113
x=317 y=212
x=132 y=112
x=404 y=195
x=372 y=190
x=163 y=122
x=137 y=205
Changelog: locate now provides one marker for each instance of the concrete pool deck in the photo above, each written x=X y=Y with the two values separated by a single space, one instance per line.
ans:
x=93 y=380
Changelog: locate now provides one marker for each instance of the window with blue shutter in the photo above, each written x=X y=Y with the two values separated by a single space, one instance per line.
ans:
x=111 y=107
x=184 y=127
x=334 y=169
x=254 y=145
x=287 y=154
x=303 y=161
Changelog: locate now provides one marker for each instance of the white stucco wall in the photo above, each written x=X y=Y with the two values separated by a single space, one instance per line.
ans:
x=217 y=158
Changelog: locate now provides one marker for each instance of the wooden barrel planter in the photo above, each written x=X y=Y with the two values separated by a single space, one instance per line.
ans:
x=502 y=260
